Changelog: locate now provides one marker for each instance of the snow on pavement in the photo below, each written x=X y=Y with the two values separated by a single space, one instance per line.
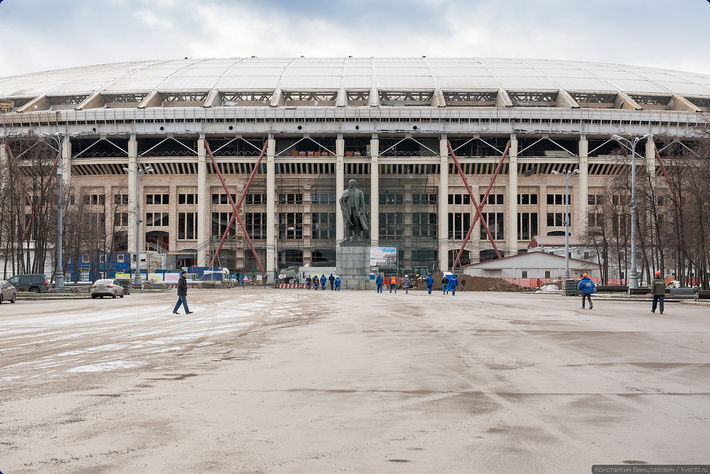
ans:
x=53 y=338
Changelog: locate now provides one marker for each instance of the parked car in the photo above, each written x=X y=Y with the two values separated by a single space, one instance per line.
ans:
x=102 y=288
x=126 y=284
x=35 y=283
x=8 y=292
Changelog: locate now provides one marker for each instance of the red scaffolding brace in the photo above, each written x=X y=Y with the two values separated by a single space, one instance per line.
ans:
x=479 y=209
x=236 y=207
x=665 y=173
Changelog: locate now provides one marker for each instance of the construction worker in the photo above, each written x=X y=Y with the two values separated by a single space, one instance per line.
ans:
x=323 y=280
x=586 y=288
x=337 y=283
x=378 y=281
x=658 y=290
x=407 y=283
x=393 y=283
x=453 y=283
x=429 y=283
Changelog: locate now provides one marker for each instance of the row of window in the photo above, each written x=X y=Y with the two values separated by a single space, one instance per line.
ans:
x=120 y=258
x=424 y=224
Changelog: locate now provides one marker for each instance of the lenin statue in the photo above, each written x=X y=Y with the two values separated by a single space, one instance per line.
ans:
x=352 y=204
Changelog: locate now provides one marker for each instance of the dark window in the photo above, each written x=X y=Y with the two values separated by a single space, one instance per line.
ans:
x=290 y=225
x=187 y=225
x=391 y=224
x=459 y=222
x=255 y=222
x=527 y=225
x=496 y=225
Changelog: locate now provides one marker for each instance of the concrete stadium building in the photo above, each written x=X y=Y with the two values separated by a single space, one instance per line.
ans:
x=385 y=122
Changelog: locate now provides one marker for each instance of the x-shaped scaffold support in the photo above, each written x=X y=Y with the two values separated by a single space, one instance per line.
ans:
x=479 y=209
x=236 y=207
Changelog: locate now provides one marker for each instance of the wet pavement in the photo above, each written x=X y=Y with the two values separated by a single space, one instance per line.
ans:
x=263 y=380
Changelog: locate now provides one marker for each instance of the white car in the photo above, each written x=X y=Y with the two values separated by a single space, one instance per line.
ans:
x=8 y=292
x=102 y=288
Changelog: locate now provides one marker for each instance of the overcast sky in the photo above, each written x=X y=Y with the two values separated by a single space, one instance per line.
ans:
x=37 y=35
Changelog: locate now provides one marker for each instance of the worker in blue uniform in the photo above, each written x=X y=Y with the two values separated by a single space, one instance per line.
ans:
x=453 y=283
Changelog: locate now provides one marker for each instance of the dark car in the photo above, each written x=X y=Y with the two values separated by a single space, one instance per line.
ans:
x=34 y=283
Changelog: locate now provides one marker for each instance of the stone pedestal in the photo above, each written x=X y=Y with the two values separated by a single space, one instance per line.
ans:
x=353 y=265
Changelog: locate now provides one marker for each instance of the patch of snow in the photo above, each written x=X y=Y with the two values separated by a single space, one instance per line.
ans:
x=106 y=366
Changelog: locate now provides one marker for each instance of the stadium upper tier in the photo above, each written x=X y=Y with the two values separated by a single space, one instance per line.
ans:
x=352 y=82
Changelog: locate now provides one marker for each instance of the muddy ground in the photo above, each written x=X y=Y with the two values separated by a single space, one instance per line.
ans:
x=263 y=380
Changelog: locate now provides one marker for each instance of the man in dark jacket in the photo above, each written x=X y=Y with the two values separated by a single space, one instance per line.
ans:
x=182 y=294
x=331 y=279
x=658 y=290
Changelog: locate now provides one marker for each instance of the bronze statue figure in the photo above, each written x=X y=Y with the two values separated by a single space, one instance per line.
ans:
x=352 y=204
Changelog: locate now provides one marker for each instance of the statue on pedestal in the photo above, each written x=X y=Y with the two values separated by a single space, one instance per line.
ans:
x=352 y=205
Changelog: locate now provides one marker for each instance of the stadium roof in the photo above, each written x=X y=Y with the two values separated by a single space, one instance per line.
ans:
x=359 y=81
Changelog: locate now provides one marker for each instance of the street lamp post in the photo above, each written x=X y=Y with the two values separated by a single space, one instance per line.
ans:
x=566 y=173
x=138 y=172
x=58 y=268
x=633 y=275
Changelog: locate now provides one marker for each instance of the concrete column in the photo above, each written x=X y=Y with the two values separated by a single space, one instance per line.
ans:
x=173 y=212
x=583 y=193
x=374 y=191
x=132 y=198
x=66 y=164
x=109 y=214
x=203 y=198
x=511 y=236
x=651 y=170
x=339 y=187
x=542 y=202
x=270 y=265
x=474 y=243
x=443 y=228
x=651 y=160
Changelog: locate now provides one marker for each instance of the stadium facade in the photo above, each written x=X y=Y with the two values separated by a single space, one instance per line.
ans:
x=386 y=122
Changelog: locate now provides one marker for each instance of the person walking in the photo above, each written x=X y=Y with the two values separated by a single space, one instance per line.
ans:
x=182 y=294
x=444 y=284
x=453 y=283
x=586 y=288
x=407 y=283
x=658 y=290
x=463 y=283
x=378 y=281
x=315 y=282
x=331 y=279
x=337 y=283
x=323 y=279
x=393 y=283
x=308 y=282
x=429 y=282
